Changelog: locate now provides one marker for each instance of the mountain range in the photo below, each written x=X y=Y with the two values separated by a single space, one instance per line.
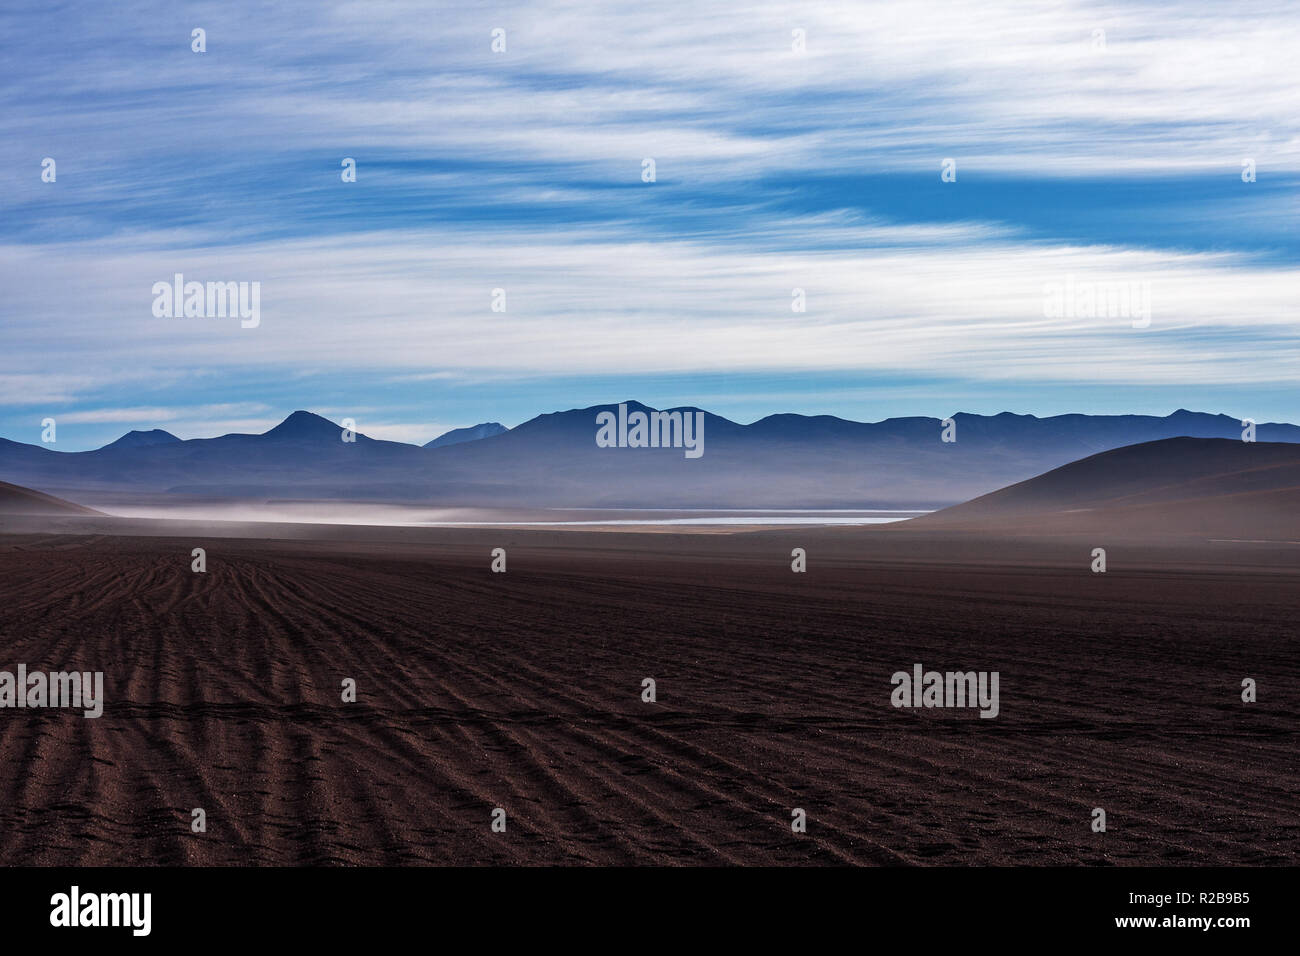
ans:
x=782 y=461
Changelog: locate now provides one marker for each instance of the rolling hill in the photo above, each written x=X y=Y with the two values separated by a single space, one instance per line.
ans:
x=1222 y=487
x=17 y=500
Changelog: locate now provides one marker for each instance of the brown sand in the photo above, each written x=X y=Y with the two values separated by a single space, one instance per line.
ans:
x=522 y=691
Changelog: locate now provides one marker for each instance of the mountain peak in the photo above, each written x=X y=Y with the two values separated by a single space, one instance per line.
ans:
x=143 y=439
x=459 y=436
x=305 y=425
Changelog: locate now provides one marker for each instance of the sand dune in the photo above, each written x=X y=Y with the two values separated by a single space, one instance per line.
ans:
x=17 y=500
x=1192 y=486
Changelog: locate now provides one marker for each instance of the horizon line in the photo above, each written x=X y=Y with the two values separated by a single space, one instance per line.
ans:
x=606 y=405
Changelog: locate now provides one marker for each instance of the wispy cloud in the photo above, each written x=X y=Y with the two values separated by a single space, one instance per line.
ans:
x=160 y=415
x=1095 y=140
x=412 y=304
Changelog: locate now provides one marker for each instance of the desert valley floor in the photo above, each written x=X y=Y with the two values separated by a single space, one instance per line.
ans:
x=522 y=691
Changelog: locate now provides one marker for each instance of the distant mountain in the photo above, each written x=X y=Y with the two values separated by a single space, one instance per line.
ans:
x=306 y=426
x=17 y=500
x=139 y=439
x=782 y=461
x=1211 y=486
x=303 y=456
x=473 y=433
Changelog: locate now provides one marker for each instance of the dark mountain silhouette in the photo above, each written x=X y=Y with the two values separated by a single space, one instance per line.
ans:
x=782 y=461
x=309 y=427
x=1211 y=486
x=142 y=439
x=17 y=500
x=473 y=433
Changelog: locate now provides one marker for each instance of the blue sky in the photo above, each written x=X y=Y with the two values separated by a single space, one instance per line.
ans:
x=1111 y=161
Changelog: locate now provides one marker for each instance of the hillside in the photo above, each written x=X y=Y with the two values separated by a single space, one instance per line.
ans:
x=1202 y=486
x=17 y=500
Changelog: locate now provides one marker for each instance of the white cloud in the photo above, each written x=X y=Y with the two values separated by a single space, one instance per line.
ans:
x=711 y=91
x=715 y=95
x=411 y=433
x=419 y=305
x=154 y=415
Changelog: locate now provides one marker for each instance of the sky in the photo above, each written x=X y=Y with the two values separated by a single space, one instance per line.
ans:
x=796 y=146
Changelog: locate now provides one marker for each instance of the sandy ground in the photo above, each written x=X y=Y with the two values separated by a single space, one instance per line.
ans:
x=523 y=691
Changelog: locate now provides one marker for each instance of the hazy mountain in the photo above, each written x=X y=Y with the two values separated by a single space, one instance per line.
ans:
x=782 y=461
x=305 y=426
x=296 y=458
x=472 y=433
x=141 y=439
x=1211 y=486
